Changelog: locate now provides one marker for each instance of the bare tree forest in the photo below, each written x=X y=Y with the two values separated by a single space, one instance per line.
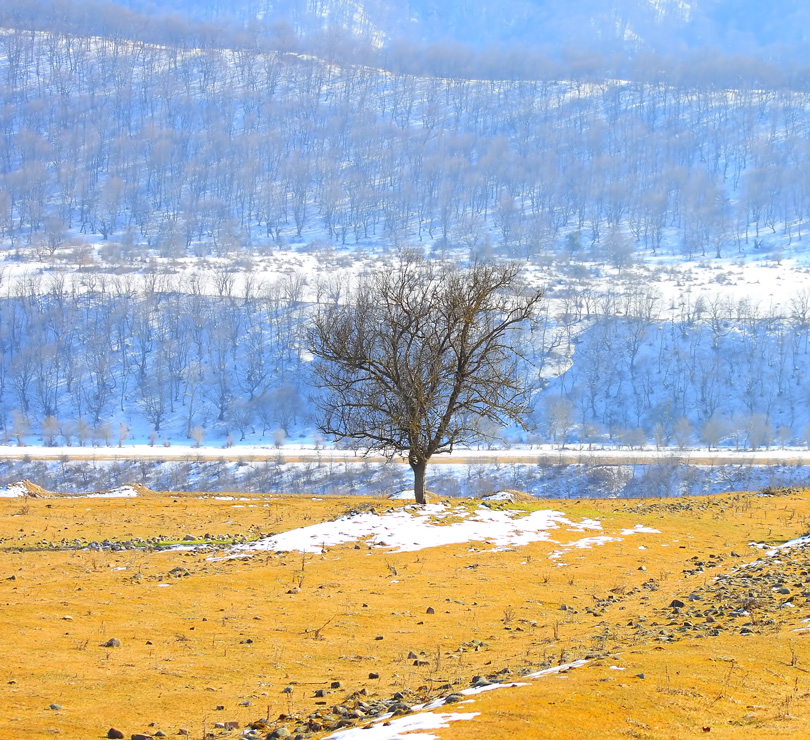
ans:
x=118 y=153
x=173 y=151
x=85 y=361
x=76 y=356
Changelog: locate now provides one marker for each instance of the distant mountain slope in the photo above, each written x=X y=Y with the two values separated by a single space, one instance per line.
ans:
x=664 y=26
x=749 y=27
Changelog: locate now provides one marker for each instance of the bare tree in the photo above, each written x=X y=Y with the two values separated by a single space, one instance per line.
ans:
x=418 y=355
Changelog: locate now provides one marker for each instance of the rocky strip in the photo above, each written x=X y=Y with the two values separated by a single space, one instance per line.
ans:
x=755 y=598
x=159 y=542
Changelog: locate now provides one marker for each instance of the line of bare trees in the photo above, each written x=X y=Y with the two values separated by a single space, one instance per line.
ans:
x=74 y=357
x=708 y=373
x=93 y=360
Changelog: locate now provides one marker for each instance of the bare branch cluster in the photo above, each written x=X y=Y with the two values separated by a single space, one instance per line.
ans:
x=418 y=356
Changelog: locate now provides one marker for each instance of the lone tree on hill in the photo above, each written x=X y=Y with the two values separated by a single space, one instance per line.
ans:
x=418 y=356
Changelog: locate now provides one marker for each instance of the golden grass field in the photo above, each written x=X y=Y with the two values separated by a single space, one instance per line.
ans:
x=227 y=633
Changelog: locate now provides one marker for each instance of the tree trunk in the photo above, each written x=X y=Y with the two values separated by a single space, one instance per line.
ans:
x=419 y=466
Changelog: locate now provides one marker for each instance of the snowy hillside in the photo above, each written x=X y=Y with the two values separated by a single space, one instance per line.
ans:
x=667 y=27
x=171 y=214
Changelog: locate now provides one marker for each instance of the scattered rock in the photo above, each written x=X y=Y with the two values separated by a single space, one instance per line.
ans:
x=758 y=589
x=55 y=707
x=115 y=734
x=430 y=610
x=113 y=642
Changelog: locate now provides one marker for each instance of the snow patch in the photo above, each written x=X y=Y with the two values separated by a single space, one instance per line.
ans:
x=394 y=729
x=775 y=551
x=565 y=667
x=120 y=492
x=386 y=728
x=406 y=495
x=586 y=543
x=500 y=496
x=492 y=687
x=413 y=528
x=640 y=529
x=13 y=490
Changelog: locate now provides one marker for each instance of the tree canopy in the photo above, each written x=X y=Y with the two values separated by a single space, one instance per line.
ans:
x=417 y=357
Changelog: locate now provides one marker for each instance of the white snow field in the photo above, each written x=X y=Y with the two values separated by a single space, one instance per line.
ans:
x=413 y=528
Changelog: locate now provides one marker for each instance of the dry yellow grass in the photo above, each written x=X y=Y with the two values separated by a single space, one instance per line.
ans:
x=230 y=633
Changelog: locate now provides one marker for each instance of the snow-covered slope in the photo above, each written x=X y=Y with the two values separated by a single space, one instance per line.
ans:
x=628 y=26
